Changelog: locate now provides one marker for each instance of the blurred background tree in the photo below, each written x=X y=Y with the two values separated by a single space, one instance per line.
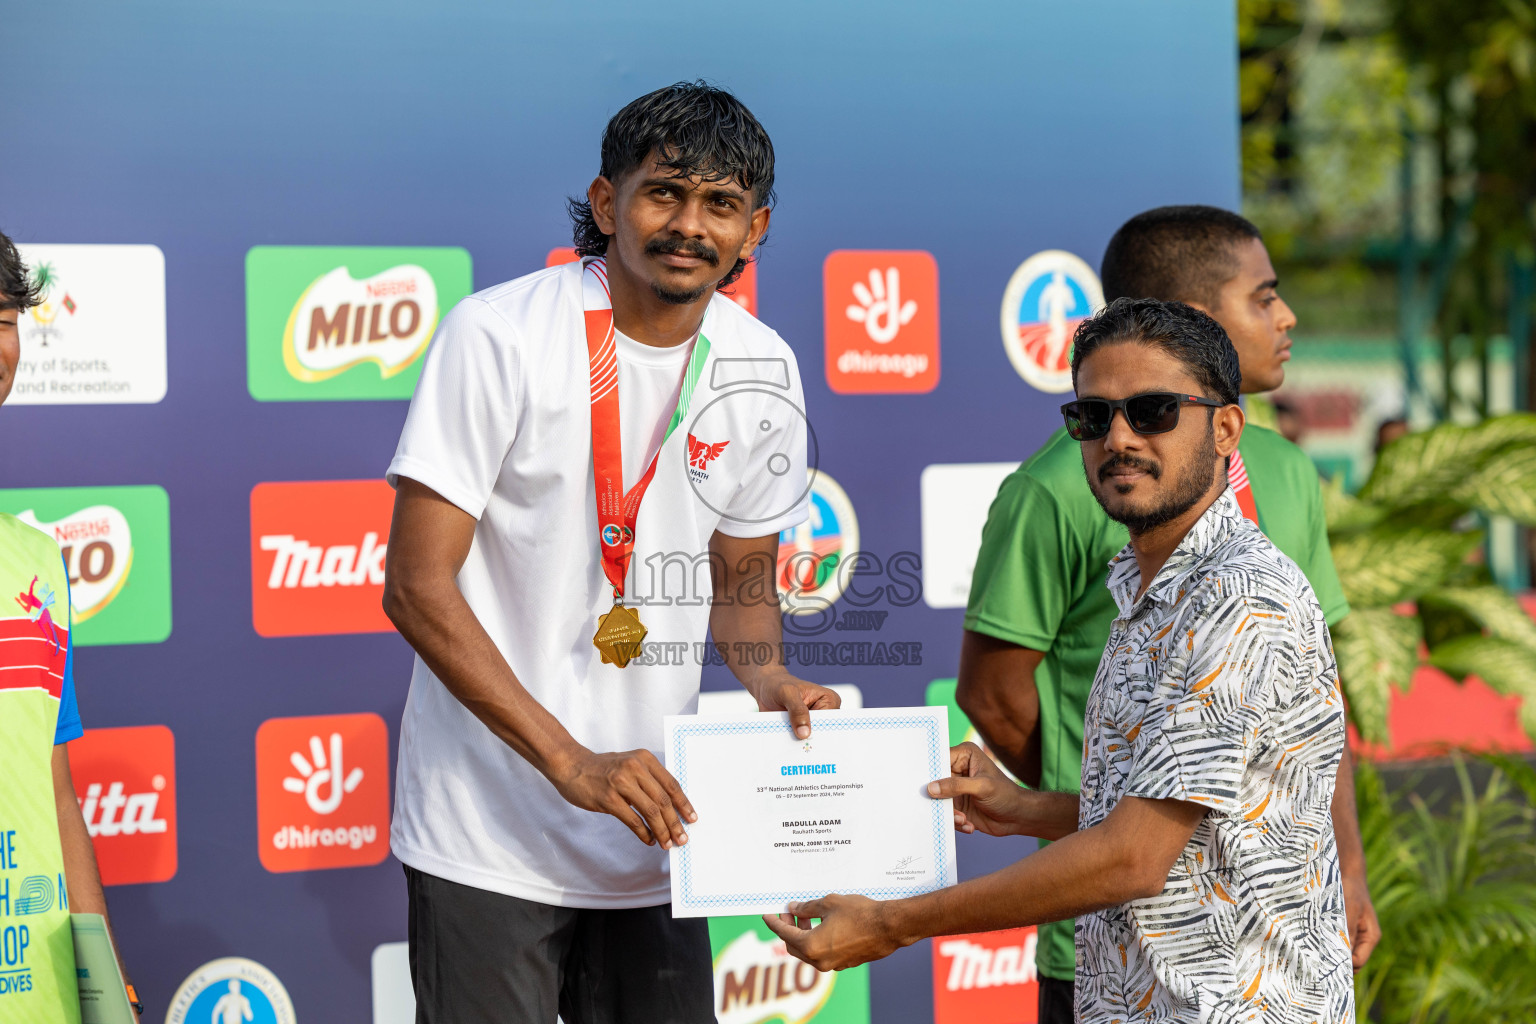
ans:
x=1389 y=155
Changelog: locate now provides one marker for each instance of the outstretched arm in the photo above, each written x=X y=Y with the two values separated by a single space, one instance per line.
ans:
x=1126 y=857
x=745 y=616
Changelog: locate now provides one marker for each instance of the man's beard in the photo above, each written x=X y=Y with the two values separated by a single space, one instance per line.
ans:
x=1191 y=487
x=683 y=247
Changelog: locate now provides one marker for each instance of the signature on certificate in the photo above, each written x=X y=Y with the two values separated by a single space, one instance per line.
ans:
x=904 y=863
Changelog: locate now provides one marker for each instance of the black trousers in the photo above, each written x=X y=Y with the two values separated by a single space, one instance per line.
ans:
x=479 y=957
x=1056 y=1001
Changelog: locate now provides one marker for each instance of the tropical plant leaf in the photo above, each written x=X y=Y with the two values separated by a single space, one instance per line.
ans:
x=1503 y=486
x=1489 y=606
x=1426 y=465
x=1376 y=650
x=1505 y=665
x=1344 y=512
x=1385 y=566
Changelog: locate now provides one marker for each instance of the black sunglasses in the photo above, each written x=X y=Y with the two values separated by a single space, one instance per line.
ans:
x=1155 y=412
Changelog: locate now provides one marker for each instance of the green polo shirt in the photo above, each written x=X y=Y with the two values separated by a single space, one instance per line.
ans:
x=1039 y=583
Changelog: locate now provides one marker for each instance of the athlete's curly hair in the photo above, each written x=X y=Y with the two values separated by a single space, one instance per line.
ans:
x=18 y=288
x=695 y=129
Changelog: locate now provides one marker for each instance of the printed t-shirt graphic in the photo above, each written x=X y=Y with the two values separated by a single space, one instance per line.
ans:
x=1039 y=583
x=37 y=969
x=501 y=427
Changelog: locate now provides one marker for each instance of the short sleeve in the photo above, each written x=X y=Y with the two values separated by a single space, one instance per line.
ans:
x=1192 y=743
x=1019 y=590
x=1319 y=568
x=463 y=416
x=774 y=494
x=69 y=726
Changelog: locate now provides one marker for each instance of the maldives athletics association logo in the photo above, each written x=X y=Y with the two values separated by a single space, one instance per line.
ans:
x=344 y=323
x=116 y=544
x=231 y=990
x=1047 y=297
x=811 y=554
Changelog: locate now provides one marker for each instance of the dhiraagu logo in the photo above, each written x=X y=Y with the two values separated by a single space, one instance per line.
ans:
x=757 y=981
x=327 y=323
x=116 y=545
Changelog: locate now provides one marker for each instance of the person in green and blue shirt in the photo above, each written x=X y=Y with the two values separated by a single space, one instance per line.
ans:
x=47 y=865
x=1039 y=611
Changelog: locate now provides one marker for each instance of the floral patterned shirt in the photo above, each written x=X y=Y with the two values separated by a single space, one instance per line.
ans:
x=1219 y=687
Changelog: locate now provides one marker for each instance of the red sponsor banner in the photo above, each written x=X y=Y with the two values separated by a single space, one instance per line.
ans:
x=743 y=291
x=986 y=978
x=317 y=557
x=322 y=792
x=882 y=321
x=125 y=780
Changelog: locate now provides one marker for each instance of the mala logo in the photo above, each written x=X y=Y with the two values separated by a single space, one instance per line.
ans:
x=115 y=542
x=322 y=795
x=317 y=557
x=700 y=455
x=986 y=978
x=125 y=782
x=1047 y=297
x=327 y=322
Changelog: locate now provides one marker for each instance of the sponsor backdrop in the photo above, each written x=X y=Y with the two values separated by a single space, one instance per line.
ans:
x=252 y=216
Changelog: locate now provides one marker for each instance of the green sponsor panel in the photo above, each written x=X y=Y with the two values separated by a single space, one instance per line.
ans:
x=756 y=982
x=328 y=323
x=116 y=543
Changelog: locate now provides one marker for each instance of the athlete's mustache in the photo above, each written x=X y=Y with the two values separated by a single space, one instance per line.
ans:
x=682 y=247
x=1123 y=461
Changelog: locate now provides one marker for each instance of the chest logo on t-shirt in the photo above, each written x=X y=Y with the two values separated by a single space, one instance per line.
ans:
x=700 y=455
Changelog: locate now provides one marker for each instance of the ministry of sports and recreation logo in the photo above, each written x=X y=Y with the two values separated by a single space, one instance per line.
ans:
x=116 y=545
x=322 y=792
x=810 y=554
x=1047 y=297
x=125 y=782
x=339 y=323
x=317 y=557
x=98 y=335
x=231 y=990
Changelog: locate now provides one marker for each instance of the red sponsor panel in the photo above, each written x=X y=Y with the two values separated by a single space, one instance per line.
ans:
x=742 y=291
x=322 y=792
x=882 y=321
x=125 y=780
x=986 y=978
x=317 y=557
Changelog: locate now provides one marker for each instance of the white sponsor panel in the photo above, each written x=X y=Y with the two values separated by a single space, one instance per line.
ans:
x=955 y=499
x=98 y=336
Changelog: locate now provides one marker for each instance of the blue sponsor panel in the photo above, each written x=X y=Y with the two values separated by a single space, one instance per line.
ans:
x=986 y=138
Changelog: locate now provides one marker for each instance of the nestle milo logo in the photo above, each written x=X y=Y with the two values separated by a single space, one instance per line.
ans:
x=338 y=323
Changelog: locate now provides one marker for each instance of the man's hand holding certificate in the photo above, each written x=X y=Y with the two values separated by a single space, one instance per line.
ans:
x=783 y=819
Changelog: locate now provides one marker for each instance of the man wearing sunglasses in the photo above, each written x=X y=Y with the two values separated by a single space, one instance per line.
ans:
x=1039 y=613
x=1200 y=857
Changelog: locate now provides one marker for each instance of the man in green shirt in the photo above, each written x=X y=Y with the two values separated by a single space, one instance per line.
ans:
x=1039 y=611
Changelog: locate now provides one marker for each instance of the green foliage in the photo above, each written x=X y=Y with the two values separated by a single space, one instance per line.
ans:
x=1407 y=537
x=1455 y=892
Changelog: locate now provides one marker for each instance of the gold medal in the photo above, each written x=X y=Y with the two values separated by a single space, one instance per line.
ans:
x=618 y=636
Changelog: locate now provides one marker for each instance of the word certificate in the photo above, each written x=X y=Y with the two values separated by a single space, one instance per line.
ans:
x=783 y=819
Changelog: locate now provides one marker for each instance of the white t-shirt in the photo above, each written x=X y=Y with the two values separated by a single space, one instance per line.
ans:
x=500 y=425
x=649 y=381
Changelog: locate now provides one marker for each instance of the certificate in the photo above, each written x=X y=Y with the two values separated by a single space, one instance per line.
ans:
x=103 y=999
x=783 y=819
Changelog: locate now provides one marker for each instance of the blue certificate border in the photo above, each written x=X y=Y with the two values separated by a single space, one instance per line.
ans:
x=941 y=818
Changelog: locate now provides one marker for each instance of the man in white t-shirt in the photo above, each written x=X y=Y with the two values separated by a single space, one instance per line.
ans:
x=594 y=473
